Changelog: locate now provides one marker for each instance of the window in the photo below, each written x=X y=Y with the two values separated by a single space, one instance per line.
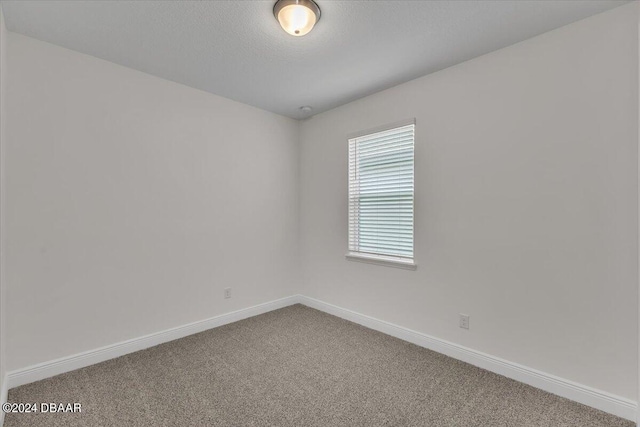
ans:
x=381 y=196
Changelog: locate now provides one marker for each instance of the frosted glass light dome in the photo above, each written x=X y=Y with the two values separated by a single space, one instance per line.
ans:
x=296 y=17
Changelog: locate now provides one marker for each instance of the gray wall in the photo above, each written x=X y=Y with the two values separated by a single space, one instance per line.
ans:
x=132 y=202
x=3 y=127
x=526 y=204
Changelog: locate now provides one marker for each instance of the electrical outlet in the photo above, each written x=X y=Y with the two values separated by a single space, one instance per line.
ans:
x=464 y=321
x=227 y=292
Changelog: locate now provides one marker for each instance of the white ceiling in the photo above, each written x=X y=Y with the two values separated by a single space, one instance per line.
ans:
x=237 y=49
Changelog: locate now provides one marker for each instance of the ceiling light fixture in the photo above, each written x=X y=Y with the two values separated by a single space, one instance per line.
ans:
x=297 y=17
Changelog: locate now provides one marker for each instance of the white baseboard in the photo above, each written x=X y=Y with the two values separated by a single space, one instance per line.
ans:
x=4 y=391
x=598 y=399
x=70 y=363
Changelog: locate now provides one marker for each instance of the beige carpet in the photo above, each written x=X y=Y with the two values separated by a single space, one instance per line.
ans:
x=296 y=367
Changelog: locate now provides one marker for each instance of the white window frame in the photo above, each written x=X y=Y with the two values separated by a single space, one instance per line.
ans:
x=384 y=260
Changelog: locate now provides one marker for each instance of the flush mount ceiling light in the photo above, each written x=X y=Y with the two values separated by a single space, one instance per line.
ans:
x=297 y=17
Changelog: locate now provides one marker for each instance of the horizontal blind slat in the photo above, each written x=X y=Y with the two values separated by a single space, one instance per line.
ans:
x=381 y=174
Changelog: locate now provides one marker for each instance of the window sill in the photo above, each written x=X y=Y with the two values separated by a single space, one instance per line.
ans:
x=381 y=260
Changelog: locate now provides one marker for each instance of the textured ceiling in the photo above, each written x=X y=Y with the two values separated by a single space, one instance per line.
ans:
x=236 y=49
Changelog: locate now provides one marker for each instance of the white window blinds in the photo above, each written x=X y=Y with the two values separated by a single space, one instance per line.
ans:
x=381 y=194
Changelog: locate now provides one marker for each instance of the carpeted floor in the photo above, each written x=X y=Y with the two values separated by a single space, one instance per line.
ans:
x=295 y=367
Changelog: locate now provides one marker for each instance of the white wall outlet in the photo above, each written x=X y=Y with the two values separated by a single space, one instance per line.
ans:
x=227 y=293
x=464 y=321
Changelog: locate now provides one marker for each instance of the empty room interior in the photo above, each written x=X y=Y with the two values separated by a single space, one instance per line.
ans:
x=319 y=213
